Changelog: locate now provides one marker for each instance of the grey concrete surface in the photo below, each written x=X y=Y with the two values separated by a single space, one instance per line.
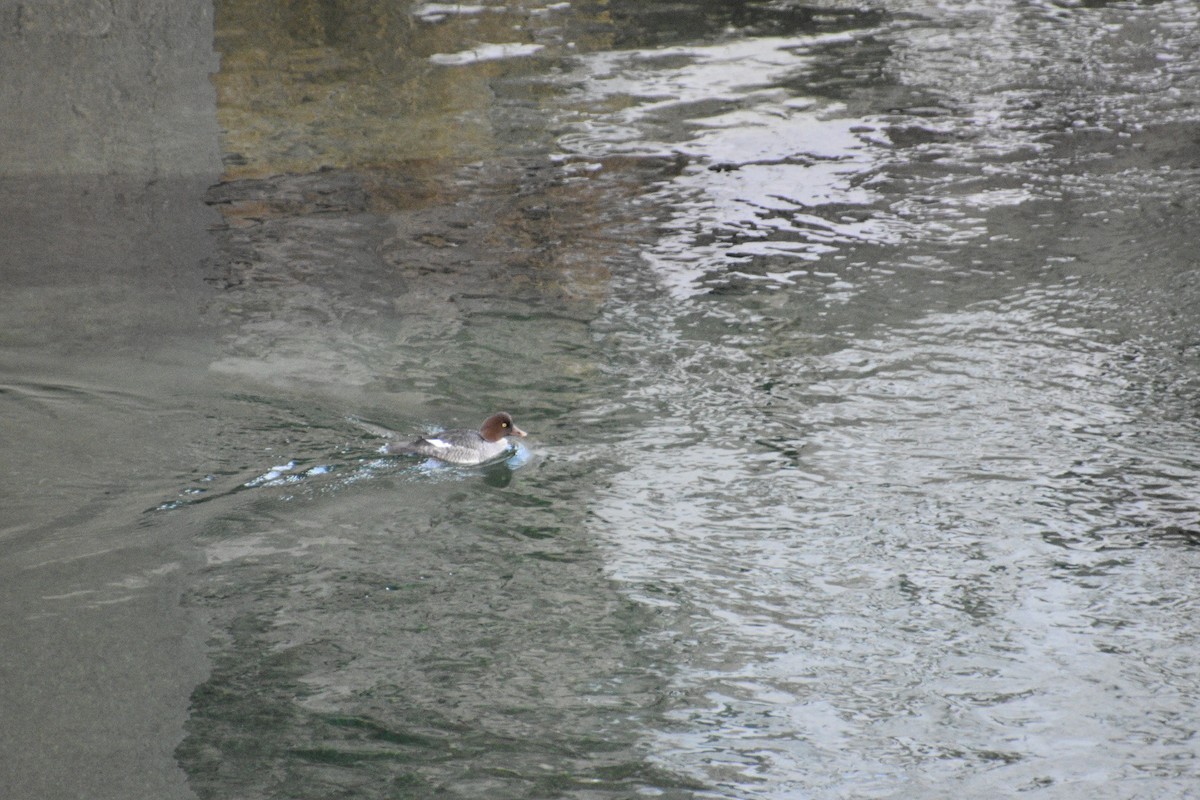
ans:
x=108 y=140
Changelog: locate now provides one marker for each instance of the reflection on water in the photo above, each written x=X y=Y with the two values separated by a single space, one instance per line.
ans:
x=771 y=173
x=886 y=558
x=368 y=84
x=896 y=453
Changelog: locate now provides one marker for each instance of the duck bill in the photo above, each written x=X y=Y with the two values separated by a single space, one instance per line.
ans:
x=517 y=432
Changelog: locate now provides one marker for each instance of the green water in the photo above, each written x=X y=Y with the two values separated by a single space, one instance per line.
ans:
x=859 y=370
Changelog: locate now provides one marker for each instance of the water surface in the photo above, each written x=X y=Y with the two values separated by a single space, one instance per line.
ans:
x=858 y=351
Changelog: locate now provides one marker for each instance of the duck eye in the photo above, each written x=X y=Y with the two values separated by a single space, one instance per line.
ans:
x=503 y=424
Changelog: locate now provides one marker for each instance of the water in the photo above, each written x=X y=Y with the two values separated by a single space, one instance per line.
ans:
x=858 y=353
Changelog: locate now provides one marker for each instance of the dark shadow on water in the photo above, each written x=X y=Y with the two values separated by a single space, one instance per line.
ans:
x=252 y=731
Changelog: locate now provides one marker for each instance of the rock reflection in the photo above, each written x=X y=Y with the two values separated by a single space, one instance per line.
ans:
x=305 y=86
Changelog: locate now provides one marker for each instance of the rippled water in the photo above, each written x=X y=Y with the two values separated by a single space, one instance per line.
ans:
x=858 y=352
x=920 y=468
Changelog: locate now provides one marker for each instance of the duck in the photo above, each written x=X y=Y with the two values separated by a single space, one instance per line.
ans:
x=462 y=445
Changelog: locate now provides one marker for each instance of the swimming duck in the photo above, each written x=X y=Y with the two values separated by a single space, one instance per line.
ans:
x=463 y=446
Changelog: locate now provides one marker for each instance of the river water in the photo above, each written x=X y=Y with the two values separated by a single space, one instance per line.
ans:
x=859 y=353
